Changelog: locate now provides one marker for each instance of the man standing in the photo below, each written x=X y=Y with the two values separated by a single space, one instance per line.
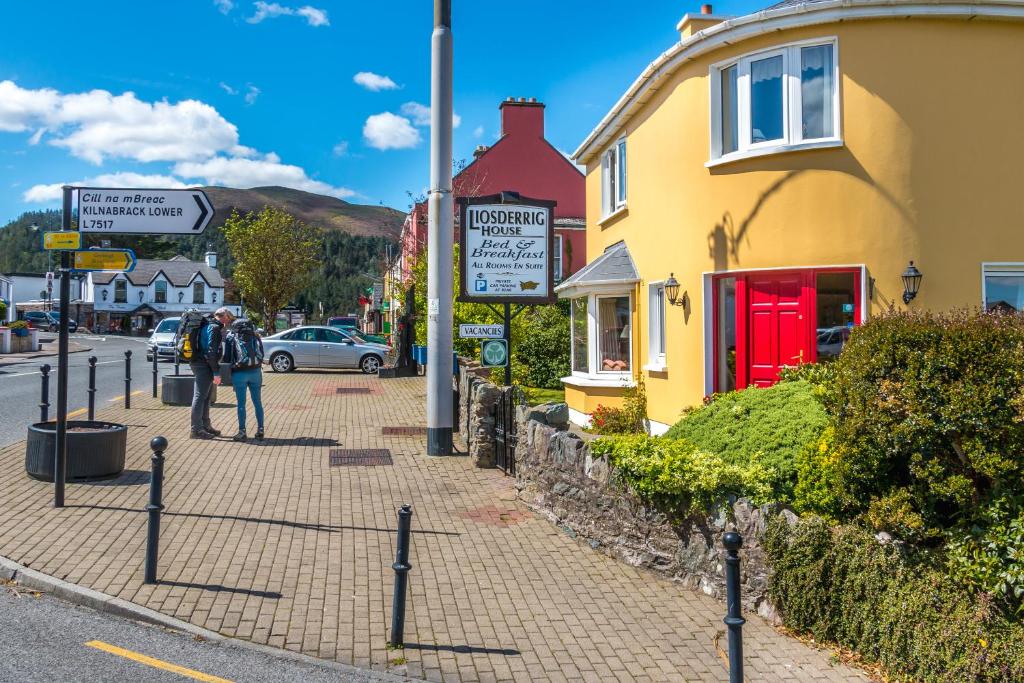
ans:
x=205 y=365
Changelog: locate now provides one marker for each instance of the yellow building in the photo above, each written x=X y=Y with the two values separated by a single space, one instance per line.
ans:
x=785 y=168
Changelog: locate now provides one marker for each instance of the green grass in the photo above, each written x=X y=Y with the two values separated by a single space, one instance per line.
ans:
x=536 y=396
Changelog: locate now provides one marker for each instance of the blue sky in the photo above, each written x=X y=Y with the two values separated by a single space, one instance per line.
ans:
x=242 y=93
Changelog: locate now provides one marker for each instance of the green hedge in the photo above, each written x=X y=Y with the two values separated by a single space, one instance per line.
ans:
x=842 y=586
x=770 y=426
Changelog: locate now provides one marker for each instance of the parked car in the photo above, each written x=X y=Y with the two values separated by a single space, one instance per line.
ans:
x=320 y=346
x=831 y=341
x=48 y=320
x=161 y=339
x=343 y=321
x=366 y=336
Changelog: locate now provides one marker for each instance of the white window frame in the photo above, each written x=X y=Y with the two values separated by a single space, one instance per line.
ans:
x=656 y=329
x=596 y=376
x=572 y=337
x=998 y=269
x=557 y=259
x=792 y=106
x=613 y=192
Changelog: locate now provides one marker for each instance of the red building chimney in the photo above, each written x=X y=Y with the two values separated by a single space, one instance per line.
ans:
x=522 y=117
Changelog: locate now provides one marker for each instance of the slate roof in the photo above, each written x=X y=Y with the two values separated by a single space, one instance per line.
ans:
x=613 y=266
x=179 y=271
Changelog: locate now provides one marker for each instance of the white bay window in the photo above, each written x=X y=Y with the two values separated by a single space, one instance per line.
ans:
x=775 y=100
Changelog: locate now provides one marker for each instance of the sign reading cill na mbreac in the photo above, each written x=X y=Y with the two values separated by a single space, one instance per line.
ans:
x=505 y=249
x=149 y=212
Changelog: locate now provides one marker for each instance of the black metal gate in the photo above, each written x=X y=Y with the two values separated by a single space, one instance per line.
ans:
x=505 y=434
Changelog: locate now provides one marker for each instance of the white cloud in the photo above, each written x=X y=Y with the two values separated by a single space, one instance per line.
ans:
x=272 y=10
x=478 y=132
x=420 y=114
x=246 y=173
x=227 y=88
x=390 y=131
x=374 y=82
x=36 y=137
x=341 y=149
x=53 y=192
x=252 y=92
x=224 y=6
x=21 y=109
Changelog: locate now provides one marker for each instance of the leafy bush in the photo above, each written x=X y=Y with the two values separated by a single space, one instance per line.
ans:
x=543 y=345
x=989 y=555
x=629 y=419
x=676 y=477
x=3 y=312
x=18 y=325
x=893 y=608
x=934 y=403
x=771 y=425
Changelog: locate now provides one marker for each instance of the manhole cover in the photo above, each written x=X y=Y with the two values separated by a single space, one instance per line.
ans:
x=352 y=390
x=403 y=431
x=340 y=457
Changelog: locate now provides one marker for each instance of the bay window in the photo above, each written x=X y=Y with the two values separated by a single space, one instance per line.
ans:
x=613 y=316
x=786 y=97
x=613 y=179
x=580 y=325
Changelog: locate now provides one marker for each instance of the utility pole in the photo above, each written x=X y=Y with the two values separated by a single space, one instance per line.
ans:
x=440 y=238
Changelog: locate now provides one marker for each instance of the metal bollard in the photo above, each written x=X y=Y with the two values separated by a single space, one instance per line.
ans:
x=44 y=395
x=92 y=388
x=128 y=379
x=734 y=616
x=177 y=363
x=156 y=372
x=156 y=490
x=401 y=567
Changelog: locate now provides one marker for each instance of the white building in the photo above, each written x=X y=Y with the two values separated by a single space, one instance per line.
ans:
x=135 y=302
x=7 y=296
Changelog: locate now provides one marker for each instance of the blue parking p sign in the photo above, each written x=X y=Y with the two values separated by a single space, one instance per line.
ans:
x=480 y=285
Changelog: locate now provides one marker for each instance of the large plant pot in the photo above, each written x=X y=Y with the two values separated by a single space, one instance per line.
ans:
x=177 y=390
x=95 y=449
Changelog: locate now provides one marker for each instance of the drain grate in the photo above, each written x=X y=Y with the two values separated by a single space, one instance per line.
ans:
x=352 y=390
x=403 y=431
x=340 y=457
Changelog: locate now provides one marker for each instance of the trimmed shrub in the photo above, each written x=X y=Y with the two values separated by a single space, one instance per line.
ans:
x=989 y=555
x=930 y=402
x=771 y=425
x=845 y=587
x=631 y=418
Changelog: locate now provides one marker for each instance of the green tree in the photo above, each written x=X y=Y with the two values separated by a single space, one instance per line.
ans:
x=275 y=257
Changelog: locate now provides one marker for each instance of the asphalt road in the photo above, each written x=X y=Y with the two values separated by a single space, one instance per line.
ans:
x=48 y=640
x=20 y=382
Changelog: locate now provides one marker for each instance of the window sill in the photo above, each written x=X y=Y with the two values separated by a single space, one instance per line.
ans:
x=656 y=367
x=769 y=151
x=614 y=215
x=615 y=381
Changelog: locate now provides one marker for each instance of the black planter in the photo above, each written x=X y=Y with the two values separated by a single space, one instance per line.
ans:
x=177 y=390
x=91 y=454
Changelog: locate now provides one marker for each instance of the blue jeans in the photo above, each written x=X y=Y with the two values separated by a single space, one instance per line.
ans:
x=253 y=379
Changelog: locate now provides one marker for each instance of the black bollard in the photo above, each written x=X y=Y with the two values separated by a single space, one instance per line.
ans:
x=401 y=567
x=177 y=363
x=156 y=490
x=44 y=395
x=128 y=379
x=156 y=372
x=92 y=388
x=734 y=616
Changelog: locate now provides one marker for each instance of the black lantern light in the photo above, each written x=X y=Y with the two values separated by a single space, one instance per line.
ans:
x=911 y=283
x=215 y=297
x=672 y=291
x=181 y=295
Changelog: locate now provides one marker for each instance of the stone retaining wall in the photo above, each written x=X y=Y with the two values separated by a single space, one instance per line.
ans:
x=557 y=476
x=478 y=430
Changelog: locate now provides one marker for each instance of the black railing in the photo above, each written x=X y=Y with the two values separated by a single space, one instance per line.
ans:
x=505 y=435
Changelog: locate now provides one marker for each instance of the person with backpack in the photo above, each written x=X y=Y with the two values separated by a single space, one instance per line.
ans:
x=243 y=350
x=198 y=342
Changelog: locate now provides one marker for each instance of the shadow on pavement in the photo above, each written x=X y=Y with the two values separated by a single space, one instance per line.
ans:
x=217 y=588
x=463 y=649
x=126 y=478
x=294 y=441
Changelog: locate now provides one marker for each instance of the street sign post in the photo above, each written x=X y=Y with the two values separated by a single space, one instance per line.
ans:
x=121 y=260
x=481 y=331
x=61 y=240
x=149 y=212
x=494 y=353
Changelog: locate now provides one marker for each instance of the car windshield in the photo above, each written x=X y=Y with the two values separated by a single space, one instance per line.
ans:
x=167 y=326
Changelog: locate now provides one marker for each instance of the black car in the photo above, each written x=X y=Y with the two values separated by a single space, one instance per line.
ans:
x=48 y=320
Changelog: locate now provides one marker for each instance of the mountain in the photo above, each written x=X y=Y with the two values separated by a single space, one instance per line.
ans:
x=330 y=213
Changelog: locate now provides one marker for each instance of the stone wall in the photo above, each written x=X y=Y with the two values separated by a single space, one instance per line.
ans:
x=478 y=430
x=557 y=476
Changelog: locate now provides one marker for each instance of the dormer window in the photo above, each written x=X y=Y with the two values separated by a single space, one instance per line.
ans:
x=613 y=179
x=160 y=292
x=120 y=291
x=775 y=100
x=198 y=293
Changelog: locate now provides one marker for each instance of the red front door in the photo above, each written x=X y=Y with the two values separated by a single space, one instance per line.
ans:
x=777 y=326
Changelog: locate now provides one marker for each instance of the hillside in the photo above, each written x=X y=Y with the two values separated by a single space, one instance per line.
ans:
x=328 y=212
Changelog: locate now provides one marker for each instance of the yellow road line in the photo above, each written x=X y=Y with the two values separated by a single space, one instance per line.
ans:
x=155 y=663
x=121 y=397
x=74 y=413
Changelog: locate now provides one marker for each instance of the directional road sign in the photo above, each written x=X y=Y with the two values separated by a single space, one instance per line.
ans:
x=150 y=212
x=64 y=240
x=122 y=260
x=494 y=353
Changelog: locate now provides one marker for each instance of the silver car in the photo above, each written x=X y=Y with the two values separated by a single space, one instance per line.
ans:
x=161 y=339
x=318 y=346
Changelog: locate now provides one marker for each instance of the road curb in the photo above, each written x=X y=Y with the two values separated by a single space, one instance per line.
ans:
x=101 y=602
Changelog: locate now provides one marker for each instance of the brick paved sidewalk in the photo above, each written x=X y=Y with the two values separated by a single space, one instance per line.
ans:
x=270 y=543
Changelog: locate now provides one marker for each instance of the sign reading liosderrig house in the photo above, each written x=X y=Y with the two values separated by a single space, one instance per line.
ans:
x=505 y=249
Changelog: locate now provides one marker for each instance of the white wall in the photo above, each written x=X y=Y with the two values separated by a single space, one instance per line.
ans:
x=95 y=294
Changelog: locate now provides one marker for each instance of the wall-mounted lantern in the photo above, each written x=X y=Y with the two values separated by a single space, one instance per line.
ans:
x=214 y=297
x=104 y=293
x=672 y=291
x=911 y=283
x=181 y=295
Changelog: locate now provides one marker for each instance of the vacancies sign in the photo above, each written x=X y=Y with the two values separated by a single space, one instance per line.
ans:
x=505 y=253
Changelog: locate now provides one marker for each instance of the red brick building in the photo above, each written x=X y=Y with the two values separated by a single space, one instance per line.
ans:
x=523 y=161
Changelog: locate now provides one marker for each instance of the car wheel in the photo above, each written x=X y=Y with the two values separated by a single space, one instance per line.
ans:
x=370 y=364
x=282 y=362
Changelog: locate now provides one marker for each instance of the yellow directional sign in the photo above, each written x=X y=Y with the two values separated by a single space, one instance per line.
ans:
x=104 y=259
x=65 y=240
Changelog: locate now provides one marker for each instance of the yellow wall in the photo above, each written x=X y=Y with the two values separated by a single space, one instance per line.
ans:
x=931 y=116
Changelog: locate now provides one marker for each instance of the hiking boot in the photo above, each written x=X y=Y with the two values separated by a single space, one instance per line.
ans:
x=200 y=434
x=259 y=434
x=240 y=436
x=211 y=430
